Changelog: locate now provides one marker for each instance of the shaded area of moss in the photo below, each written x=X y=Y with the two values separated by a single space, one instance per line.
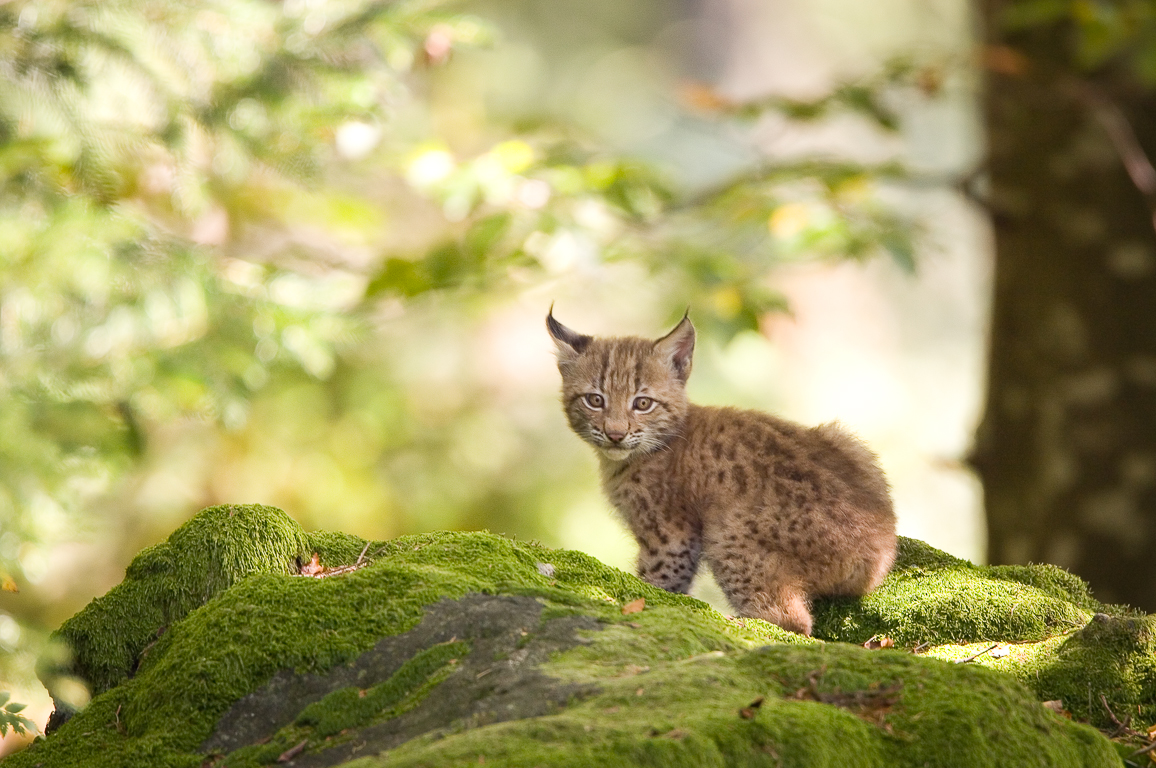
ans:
x=498 y=680
x=821 y=705
x=932 y=597
x=201 y=559
x=352 y=707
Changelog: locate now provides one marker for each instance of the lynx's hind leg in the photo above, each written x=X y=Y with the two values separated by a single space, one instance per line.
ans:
x=763 y=590
x=862 y=574
x=784 y=605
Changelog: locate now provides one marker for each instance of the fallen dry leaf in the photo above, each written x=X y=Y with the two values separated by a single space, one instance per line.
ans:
x=7 y=583
x=748 y=712
x=313 y=567
x=879 y=641
x=634 y=606
x=1152 y=733
x=292 y=752
x=1056 y=705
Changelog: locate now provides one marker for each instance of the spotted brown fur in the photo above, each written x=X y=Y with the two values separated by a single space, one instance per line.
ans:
x=781 y=512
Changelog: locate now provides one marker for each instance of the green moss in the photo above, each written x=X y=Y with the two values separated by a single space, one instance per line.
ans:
x=1113 y=657
x=214 y=652
x=661 y=687
x=352 y=707
x=201 y=559
x=1058 y=650
x=931 y=597
x=336 y=548
x=911 y=711
x=1051 y=580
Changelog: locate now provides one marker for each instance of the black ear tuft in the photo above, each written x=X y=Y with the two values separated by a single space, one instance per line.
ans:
x=562 y=335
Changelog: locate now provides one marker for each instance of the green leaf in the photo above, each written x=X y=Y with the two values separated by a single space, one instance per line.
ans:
x=14 y=707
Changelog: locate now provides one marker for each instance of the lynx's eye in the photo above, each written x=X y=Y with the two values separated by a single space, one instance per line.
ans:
x=594 y=400
x=643 y=404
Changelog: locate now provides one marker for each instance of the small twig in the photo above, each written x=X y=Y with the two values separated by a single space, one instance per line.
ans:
x=338 y=571
x=975 y=656
x=1123 y=137
x=925 y=644
x=1121 y=728
x=1111 y=714
x=1144 y=750
x=362 y=555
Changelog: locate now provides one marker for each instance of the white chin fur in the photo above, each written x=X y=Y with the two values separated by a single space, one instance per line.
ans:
x=616 y=454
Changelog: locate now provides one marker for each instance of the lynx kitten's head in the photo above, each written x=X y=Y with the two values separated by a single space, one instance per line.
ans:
x=626 y=395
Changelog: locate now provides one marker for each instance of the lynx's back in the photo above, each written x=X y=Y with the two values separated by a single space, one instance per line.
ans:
x=781 y=512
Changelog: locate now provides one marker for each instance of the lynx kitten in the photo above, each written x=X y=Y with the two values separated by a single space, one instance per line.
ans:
x=781 y=512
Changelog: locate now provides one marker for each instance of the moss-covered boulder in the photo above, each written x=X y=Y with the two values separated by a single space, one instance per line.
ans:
x=460 y=648
x=1052 y=634
x=201 y=559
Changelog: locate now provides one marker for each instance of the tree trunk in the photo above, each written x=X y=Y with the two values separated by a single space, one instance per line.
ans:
x=1067 y=447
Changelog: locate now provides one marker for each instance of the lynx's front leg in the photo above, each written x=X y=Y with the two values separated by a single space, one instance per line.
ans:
x=668 y=555
x=667 y=529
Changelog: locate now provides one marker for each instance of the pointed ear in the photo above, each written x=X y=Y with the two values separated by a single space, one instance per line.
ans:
x=569 y=343
x=677 y=348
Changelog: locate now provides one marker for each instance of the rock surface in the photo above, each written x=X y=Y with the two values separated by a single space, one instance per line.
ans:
x=461 y=648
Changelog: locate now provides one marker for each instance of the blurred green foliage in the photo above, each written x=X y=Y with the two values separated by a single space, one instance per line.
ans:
x=240 y=240
x=1104 y=33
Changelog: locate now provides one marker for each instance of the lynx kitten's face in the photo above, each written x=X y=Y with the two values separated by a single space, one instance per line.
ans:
x=624 y=396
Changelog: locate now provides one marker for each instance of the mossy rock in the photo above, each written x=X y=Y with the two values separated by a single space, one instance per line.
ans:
x=201 y=559
x=459 y=648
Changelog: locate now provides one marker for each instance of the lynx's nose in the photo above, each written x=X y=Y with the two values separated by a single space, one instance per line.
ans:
x=615 y=437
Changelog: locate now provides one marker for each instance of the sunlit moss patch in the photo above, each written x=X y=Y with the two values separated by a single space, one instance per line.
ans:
x=931 y=597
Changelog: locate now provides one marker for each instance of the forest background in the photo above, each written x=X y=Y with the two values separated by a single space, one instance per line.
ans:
x=300 y=253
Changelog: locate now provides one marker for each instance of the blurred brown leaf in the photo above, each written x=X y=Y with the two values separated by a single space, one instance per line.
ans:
x=702 y=98
x=1005 y=60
